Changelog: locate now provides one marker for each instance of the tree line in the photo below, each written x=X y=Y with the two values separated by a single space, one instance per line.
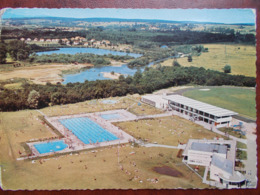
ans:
x=39 y=96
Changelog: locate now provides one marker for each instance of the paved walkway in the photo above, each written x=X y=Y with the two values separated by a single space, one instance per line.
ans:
x=161 y=145
x=251 y=162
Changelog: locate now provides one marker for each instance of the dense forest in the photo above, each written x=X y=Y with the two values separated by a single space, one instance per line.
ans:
x=133 y=37
x=39 y=96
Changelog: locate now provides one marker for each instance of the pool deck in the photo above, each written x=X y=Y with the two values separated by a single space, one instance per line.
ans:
x=75 y=144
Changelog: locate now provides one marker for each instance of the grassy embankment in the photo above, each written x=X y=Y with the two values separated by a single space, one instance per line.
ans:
x=241 y=58
x=240 y=100
x=88 y=170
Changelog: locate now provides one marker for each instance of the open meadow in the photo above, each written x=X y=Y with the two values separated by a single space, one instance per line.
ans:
x=40 y=74
x=241 y=58
x=171 y=130
x=240 y=100
x=124 y=167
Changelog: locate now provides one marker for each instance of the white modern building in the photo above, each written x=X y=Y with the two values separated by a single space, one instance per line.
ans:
x=201 y=153
x=197 y=110
x=155 y=100
x=222 y=170
x=219 y=157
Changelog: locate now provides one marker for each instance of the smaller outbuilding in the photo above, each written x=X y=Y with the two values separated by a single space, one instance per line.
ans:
x=219 y=157
x=155 y=100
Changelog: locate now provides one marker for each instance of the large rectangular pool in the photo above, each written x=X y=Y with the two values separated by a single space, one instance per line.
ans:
x=53 y=146
x=87 y=130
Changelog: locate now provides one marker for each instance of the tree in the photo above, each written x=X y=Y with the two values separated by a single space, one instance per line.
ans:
x=33 y=99
x=3 y=52
x=227 y=68
x=176 y=63
x=189 y=58
x=18 y=50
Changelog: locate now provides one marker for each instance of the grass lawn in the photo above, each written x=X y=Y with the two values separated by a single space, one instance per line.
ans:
x=241 y=145
x=87 y=169
x=240 y=100
x=231 y=131
x=13 y=86
x=127 y=102
x=241 y=154
x=241 y=58
x=167 y=130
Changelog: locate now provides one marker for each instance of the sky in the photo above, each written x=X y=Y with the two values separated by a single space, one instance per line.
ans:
x=198 y=15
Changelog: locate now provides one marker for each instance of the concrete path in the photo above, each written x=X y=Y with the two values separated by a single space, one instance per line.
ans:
x=155 y=115
x=251 y=162
x=141 y=143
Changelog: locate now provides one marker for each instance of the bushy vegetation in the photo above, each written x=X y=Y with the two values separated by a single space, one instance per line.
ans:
x=148 y=81
x=68 y=58
x=3 y=52
x=227 y=68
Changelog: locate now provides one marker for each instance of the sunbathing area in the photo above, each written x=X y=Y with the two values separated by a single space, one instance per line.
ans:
x=83 y=131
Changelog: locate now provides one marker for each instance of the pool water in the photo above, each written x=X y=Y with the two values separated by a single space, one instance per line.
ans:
x=109 y=101
x=53 y=146
x=110 y=116
x=87 y=130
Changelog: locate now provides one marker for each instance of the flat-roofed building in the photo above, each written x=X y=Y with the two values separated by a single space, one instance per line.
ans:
x=197 y=110
x=155 y=100
x=222 y=170
x=219 y=156
x=201 y=153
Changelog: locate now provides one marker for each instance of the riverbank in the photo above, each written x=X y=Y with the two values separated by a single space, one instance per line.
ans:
x=41 y=74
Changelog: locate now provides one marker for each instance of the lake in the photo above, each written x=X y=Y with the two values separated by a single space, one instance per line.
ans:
x=96 y=73
x=74 y=50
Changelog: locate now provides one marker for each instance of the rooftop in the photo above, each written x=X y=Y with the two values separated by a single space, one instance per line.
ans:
x=154 y=98
x=207 y=108
x=209 y=147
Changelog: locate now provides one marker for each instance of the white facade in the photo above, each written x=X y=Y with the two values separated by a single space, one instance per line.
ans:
x=201 y=153
x=197 y=110
x=155 y=100
x=219 y=156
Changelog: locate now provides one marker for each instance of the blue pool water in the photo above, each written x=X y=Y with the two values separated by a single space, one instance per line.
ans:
x=110 y=116
x=74 y=50
x=109 y=101
x=87 y=130
x=53 y=146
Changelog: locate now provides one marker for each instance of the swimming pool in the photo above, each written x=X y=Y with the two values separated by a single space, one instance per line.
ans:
x=110 y=116
x=52 y=146
x=87 y=130
x=109 y=101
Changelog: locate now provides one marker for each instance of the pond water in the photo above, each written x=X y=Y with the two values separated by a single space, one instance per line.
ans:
x=74 y=50
x=96 y=73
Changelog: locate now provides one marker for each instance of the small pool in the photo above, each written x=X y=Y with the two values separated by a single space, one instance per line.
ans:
x=53 y=146
x=110 y=116
x=109 y=101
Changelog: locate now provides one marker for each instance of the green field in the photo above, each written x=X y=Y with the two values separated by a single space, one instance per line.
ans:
x=240 y=57
x=240 y=100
